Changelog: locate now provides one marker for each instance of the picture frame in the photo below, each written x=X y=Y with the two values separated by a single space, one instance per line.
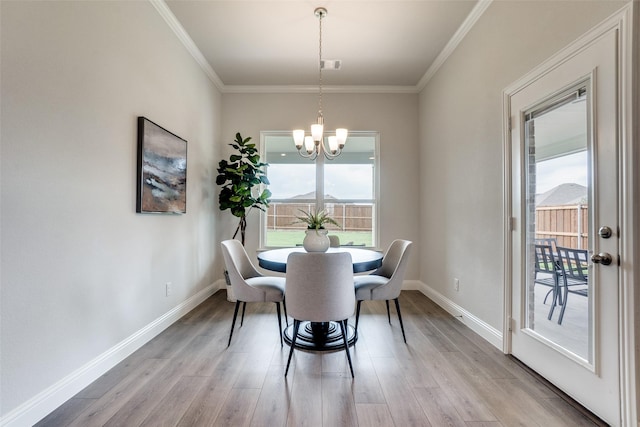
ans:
x=161 y=170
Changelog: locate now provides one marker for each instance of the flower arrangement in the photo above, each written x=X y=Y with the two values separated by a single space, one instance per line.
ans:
x=315 y=220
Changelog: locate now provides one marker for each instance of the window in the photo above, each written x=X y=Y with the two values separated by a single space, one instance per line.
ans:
x=346 y=188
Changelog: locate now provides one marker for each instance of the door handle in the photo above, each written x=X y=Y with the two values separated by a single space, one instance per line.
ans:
x=602 y=258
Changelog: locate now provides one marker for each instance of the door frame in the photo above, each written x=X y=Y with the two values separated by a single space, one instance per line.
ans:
x=625 y=23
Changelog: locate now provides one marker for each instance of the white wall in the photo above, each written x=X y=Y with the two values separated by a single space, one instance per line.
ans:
x=461 y=144
x=81 y=271
x=393 y=115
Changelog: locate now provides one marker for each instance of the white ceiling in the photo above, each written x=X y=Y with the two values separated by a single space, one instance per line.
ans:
x=275 y=43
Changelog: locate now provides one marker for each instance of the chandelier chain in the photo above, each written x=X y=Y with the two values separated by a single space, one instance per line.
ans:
x=320 y=66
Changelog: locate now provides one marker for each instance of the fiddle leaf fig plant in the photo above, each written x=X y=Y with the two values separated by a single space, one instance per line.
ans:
x=240 y=178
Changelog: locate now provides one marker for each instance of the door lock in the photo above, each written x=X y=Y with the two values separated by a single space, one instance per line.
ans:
x=602 y=258
x=605 y=232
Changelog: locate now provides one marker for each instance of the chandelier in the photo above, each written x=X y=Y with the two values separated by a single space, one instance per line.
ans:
x=314 y=144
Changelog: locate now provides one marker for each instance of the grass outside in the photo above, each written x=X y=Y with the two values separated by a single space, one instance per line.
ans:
x=290 y=238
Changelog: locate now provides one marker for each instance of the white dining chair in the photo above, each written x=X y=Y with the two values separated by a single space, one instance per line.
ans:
x=249 y=285
x=320 y=289
x=385 y=283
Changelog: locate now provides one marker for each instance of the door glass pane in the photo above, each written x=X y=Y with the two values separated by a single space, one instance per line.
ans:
x=558 y=306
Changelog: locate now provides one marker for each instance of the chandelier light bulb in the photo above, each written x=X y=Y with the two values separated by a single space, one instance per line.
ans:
x=298 y=138
x=309 y=145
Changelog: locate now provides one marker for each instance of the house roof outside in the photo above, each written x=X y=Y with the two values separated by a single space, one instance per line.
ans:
x=562 y=195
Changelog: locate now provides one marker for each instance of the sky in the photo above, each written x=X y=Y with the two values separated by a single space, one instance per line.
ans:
x=341 y=180
x=566 y=169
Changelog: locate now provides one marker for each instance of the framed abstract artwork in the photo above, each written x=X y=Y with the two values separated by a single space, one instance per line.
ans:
x=162 y=170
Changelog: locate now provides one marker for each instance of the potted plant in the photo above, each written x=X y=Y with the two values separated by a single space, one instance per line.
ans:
x=239 y=177
x=316 y=239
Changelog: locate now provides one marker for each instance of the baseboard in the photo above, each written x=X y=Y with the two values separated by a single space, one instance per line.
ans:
x=476 y=324
x=51 y=398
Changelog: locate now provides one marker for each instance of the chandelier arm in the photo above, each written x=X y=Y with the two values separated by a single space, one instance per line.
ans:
x=312 y=156
x=330 y=156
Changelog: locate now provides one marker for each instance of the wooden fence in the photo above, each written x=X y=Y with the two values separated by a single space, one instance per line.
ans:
x=569 y=225
x=351 y=217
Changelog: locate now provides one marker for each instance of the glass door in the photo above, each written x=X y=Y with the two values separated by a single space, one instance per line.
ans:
x=559 y=295
x=564 y=239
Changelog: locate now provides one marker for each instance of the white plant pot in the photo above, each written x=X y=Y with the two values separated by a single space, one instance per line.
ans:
x=316 y=240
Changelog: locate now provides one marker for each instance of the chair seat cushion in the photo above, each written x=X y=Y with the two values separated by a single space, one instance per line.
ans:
x=364 y=285
x=272 y=286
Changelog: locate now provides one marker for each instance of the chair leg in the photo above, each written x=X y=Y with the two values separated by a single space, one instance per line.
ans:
x=244 y=306
x=566 y=298
x=279 y=323
x=553 y=302
x=233 y=323
x=343 y=326
x=296 y=326
x=357 y=317
x=284 y=304
x=388 y=313
x=400 y=319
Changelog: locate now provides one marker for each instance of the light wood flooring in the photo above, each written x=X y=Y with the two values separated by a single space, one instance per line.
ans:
x=445 y=376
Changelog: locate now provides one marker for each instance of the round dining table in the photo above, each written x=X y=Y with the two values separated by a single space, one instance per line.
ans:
x=320 y=336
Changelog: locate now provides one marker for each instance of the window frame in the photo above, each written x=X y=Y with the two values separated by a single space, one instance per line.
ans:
x=319 y=201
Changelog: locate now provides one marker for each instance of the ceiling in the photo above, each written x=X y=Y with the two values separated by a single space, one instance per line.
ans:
x=261 y=43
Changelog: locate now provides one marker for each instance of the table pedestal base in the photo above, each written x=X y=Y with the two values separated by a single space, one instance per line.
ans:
x=320 y=336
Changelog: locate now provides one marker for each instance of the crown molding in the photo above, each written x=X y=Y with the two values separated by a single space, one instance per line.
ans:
x=179 y=31
x=314 y=89
x=457 y=38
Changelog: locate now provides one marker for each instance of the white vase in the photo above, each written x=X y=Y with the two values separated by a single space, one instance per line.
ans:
x=316 y=240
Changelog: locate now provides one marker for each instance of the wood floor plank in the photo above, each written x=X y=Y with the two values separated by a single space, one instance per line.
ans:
x=366 y=389
x=175 y=403
x=142 y=403
x=102 y=409
x=238 y=407
x=66 y=413
x=570 y=415
x=373 y=415
x=110 y=379
x=470 y=405
x=484 y=424
x=445 y=375
x=542 y=410
x=405 y=409
x=508 y=409
x=440 y=411
x=306 y=391
x=273 y=404
x=207 y=403
x=338 y=406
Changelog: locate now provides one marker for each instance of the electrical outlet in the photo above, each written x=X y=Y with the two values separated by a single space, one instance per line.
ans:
x=167 y=288
x=456 y=284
